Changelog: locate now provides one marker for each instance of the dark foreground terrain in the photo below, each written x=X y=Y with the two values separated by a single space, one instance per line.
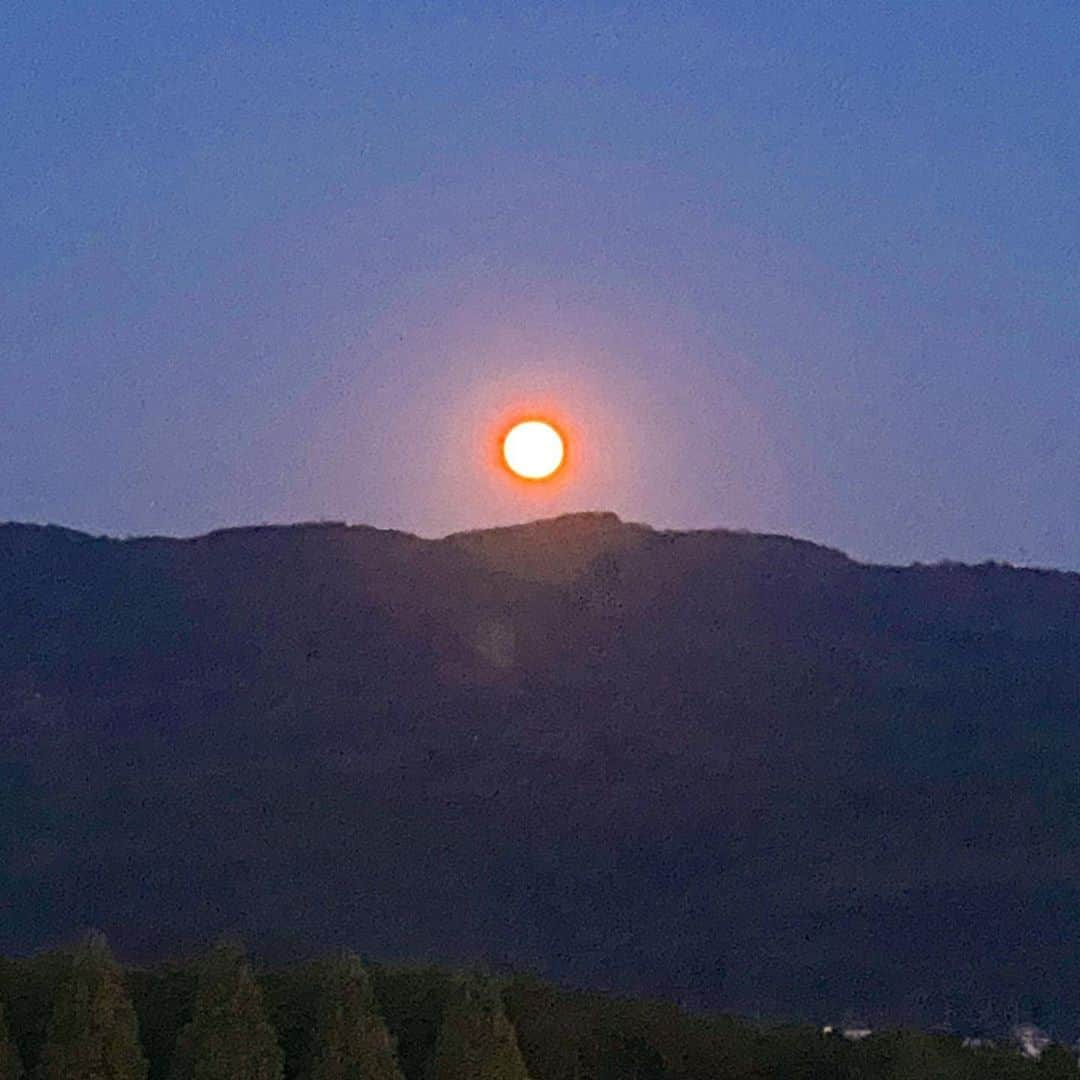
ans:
x=740 y=771
x=76 y=1015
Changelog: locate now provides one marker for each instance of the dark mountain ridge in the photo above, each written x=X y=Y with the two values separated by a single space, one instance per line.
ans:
x=744 y=771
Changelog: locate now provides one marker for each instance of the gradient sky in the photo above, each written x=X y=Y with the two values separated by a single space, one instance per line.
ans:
x=807 y=268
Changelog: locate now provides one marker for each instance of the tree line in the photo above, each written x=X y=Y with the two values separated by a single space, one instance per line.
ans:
x=78 y=1015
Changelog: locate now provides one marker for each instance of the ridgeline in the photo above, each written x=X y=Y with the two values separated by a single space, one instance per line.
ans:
x=740 y=772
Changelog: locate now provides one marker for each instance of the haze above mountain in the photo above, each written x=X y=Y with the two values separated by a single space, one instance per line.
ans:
x=744 y=771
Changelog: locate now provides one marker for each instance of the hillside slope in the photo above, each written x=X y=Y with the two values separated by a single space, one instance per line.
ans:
x=741 y=770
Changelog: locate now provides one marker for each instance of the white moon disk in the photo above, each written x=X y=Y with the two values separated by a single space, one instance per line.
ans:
x=533 y=450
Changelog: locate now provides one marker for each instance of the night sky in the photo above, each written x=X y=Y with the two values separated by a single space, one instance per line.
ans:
x=805 y=268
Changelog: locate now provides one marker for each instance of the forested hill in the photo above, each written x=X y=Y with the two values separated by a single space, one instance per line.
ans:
x=742 y=771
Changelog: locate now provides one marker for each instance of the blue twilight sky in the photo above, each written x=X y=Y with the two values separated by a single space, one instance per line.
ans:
x=799 y=267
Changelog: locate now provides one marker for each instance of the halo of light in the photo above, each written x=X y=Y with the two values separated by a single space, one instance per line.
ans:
x=533 y=450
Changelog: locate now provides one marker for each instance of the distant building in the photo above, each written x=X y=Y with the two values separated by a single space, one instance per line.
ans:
x=855 y=1032
x=852 y=1031
x=1030 y=1040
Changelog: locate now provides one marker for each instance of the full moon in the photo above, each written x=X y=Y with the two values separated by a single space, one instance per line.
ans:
x=533 y=450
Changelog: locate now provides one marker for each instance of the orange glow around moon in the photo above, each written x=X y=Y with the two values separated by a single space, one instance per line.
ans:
x=533 y=449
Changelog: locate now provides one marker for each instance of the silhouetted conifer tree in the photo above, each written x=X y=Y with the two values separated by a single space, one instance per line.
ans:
x=10 y=1063
x=476 y=1038
x=229 y=1037
x=93 y=1033
x=350 y=1040
x=630 y=1058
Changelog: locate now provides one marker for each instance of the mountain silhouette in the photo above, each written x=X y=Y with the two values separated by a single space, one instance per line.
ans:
x=743 y=771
